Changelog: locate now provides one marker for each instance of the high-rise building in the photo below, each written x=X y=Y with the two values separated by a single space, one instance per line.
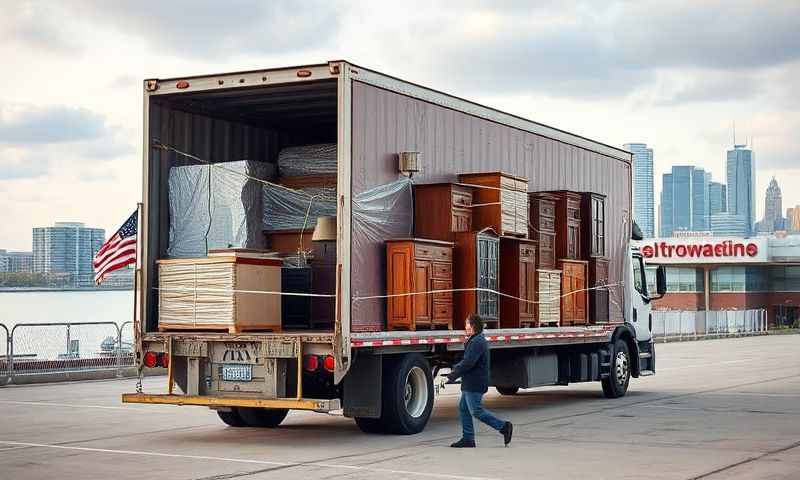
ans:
x=741 y=173
x=793 y=219
x=685 y=201
x=773 y=209
x=67 y=247
x=726 y=224
x=717 y=198
x=643 y=193
x=700 y=181
x=16 y=262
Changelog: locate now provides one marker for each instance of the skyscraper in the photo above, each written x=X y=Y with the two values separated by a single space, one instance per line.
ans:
x=67 y=247
x=741 y=173
x=793 y=219
x=700 y=181
x=685 y=200
x=773 y=209
x=643 y=196
x=717 y=198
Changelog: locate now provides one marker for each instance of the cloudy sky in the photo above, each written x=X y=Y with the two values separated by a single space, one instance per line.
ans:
x=675 y=75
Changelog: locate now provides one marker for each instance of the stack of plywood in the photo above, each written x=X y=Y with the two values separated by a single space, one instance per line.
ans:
x=220 y=292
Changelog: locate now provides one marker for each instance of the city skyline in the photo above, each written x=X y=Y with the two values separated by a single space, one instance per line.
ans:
x=68 y=150
x=643 y=188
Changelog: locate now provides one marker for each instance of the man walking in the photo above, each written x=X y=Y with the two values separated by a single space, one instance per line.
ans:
x=473 y=370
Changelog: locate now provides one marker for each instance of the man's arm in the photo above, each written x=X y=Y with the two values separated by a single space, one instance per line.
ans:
x=471 y=355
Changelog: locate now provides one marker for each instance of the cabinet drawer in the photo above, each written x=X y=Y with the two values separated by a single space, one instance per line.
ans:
x=443 y=270
x=443 y=254
x=442 y=310
x=461 y=220
x=442 y=285
x=547 y=225
x=547 y=209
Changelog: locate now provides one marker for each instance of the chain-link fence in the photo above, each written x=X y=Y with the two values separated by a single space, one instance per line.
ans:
x=682 y=325
x=32 y=352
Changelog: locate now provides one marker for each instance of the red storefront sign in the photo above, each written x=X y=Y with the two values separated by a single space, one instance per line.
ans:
x=725 y=249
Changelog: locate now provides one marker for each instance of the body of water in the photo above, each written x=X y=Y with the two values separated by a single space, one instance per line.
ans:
x=54 y=306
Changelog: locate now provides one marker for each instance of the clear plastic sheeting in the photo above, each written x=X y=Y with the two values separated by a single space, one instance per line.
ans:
x=286 y=209
x=304 y=160
x=234 y=219
x=382 y=213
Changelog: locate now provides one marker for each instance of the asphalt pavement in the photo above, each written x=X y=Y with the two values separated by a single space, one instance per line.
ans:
x=716 y=409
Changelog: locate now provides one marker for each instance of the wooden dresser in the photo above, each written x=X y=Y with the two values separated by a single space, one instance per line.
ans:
x=568 y=225
x=444 y=209
x=517 y=278
x=543 y=227
x=574 y=306
x=503 y=205
x=476 y=262
x=419 y=265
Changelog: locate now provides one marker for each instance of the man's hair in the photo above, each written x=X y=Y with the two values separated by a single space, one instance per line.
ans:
x=477 y=322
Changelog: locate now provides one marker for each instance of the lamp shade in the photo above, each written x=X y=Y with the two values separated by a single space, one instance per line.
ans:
x=325 y=229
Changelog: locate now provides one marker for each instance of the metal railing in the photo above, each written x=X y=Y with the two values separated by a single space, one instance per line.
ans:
x=685 y=325
x=70 y=350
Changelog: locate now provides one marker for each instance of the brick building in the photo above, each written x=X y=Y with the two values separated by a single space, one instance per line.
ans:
x=713 y=273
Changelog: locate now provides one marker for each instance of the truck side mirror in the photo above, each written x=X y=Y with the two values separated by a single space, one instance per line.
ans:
x=661 y=281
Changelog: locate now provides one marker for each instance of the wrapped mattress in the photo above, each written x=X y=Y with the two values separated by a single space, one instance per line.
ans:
x=216 y=207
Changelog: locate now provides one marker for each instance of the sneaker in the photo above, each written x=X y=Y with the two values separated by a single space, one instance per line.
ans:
x=464 y=443
x=507 y=430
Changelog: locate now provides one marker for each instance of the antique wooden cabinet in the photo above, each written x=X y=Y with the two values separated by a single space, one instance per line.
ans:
x=568 y=225
x=323 y=281
x=548 y=295
x=593 y=227
x=543 y=228
x=444 y=209
x=574 y=299
x=598 y=298
x=517 y=278
x=500 y=202
x=476 y=262
x=419 y=265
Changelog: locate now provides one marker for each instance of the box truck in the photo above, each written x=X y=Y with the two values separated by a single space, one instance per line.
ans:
x=380 y=377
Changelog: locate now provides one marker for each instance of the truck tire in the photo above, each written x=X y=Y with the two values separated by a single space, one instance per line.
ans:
x=232 y=418
x=507 y=390
x=370 y=425
x=407 y=394
x=619 y=375
x=263 y=417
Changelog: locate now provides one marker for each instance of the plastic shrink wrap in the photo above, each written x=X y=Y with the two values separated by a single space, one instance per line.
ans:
x=303 y=160
x=216 y=207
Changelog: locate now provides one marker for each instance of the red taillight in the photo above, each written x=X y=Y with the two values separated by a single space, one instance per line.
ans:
x=310 y=363
x=304 y=73
x=329 y=363
x=163 y=360
x=182 y=84
x=150 y=359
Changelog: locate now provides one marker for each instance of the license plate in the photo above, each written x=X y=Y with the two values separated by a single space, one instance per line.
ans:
x=237 y=373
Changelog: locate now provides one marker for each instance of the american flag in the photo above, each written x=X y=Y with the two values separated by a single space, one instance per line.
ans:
x=119 y=251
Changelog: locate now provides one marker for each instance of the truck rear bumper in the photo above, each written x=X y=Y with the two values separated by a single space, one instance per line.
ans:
x=317 y=405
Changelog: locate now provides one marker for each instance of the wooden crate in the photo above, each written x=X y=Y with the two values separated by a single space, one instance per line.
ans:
x=574 y=300
x=502 y=205
x=419 y=265
x=198 y=294
x=548 y=295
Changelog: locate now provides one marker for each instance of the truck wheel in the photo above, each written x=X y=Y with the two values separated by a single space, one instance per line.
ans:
x=263 y=417
x=507 y=390
x=407 y=394
x=232 y=418
x=619 y=375
x=370 y=425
